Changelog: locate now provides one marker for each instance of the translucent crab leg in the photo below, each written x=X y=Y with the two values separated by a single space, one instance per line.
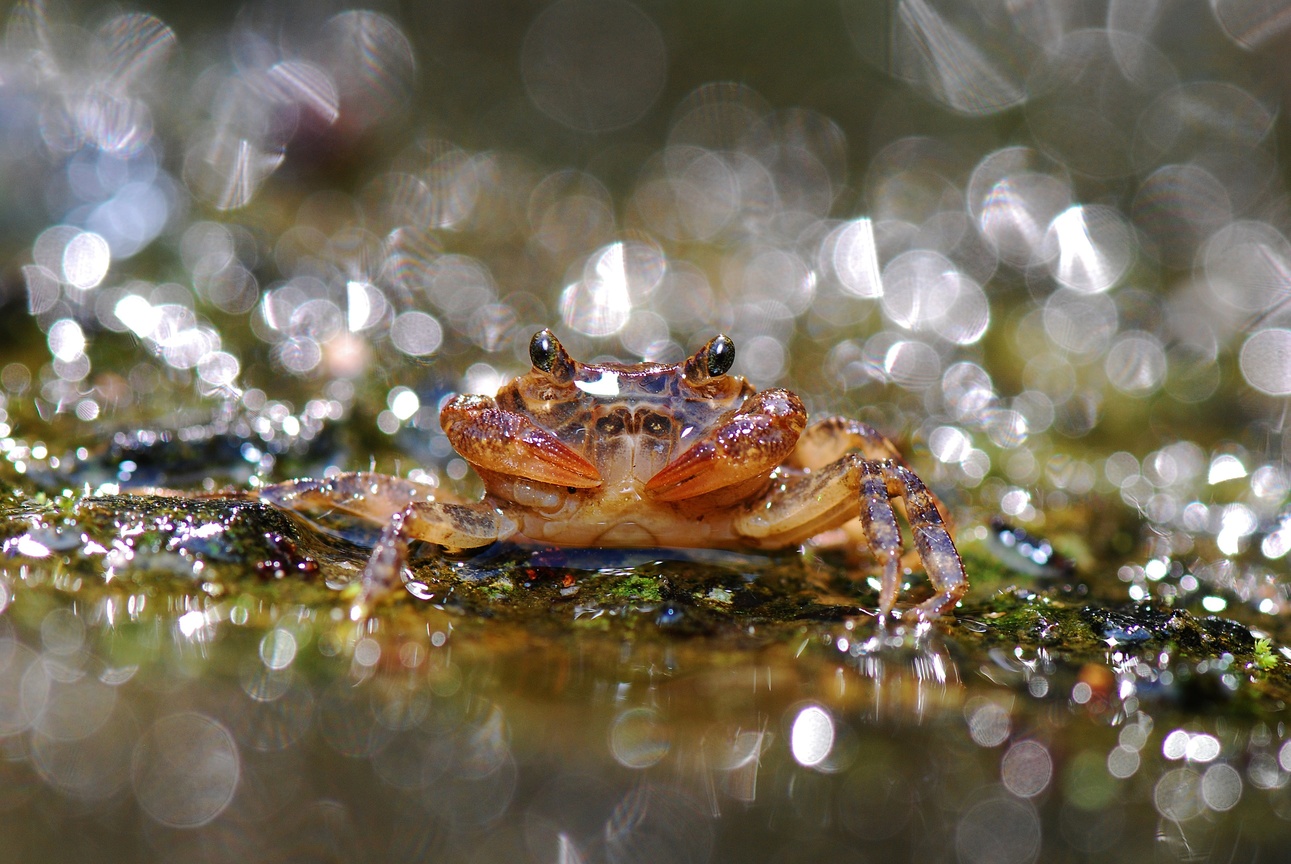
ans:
x=406 y=511
x=827 y=440
x=881 y=531
x=936 y=549
x=452 y=526
x=806 y=504
x=362 y=494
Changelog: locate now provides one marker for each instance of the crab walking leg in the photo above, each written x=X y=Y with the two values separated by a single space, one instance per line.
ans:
x=452 y=526
x=813 y=502
x=853 y=485
x=936 y=549
x=827 y=440
x=364 y=494
x=881 y=531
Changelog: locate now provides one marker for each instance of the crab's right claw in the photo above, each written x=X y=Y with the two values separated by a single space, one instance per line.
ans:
x=754 y=440
x=497 y=440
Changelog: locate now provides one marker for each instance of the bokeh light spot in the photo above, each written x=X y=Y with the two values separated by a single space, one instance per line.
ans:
x=593 y=66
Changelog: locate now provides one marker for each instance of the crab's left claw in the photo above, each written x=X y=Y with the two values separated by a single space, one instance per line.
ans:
x=752 y=441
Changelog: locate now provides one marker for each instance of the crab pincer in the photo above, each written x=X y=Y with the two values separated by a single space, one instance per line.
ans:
x=750 y=442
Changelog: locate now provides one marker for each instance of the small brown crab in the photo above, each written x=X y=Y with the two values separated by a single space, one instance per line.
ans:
x=648 y=455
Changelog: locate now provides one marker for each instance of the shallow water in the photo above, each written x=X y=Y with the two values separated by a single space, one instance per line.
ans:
x=606 y=707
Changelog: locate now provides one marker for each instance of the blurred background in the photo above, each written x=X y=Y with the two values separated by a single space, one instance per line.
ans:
x=1043 y=245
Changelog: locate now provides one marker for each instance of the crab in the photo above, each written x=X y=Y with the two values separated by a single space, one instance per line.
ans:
x=648 y=455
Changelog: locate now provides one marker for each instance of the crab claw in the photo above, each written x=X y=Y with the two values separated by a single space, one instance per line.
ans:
x=509 y=443
x=750 y=442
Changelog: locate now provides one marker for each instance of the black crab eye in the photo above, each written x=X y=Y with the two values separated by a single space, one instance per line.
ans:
x=721 y=355
x=542 y=350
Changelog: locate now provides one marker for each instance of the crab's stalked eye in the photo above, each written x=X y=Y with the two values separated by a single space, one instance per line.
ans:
x=549 y=356
x=543 y=349
x=712 y=361
x=721 y=355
